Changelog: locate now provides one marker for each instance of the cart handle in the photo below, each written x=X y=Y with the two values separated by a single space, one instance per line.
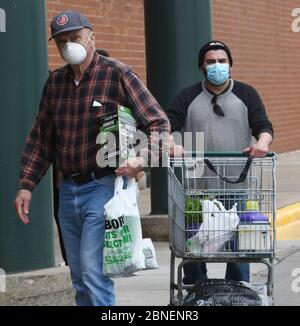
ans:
x=223 y=154
x=243 y=174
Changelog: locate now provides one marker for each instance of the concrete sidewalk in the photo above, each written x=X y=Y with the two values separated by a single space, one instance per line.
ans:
x=53 y=286
x=151 y=287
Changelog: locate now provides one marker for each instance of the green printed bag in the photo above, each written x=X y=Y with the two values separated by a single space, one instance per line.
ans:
x=123 y=249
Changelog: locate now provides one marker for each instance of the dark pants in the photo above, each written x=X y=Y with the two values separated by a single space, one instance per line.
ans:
x=197 y=272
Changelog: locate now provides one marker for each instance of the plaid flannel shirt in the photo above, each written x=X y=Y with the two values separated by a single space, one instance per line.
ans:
x=66 y=126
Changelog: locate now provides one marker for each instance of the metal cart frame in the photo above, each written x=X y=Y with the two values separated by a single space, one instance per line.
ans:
x=224 y=172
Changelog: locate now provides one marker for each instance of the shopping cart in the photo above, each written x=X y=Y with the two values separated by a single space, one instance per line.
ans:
x=204 y=229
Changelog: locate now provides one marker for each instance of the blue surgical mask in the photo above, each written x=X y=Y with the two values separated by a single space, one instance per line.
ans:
x=218 y=73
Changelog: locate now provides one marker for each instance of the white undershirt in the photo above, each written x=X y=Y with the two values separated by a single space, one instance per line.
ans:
x=76 y=82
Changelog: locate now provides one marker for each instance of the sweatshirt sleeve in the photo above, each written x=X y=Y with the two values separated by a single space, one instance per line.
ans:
x=257 y=115
x=177 y=112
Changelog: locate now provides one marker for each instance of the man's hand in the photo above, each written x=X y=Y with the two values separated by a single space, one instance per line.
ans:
x=22 y=203
x=261 y=148
x=175 y=150
x=131 y=167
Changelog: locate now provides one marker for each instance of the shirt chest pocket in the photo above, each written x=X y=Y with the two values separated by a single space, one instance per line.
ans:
x=100 y=109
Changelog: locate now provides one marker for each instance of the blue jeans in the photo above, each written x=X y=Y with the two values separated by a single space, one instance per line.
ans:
x=82 y=222
x=197 y=272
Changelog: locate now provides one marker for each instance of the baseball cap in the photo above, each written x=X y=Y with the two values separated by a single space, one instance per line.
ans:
x=69 y=20
x=213 y=45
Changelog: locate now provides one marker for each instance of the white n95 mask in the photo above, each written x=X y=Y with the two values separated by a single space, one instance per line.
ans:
x=74 y=53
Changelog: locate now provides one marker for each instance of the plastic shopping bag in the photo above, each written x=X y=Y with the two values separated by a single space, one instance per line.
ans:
x=217 y=227
x=123 y=248
x=150 y=256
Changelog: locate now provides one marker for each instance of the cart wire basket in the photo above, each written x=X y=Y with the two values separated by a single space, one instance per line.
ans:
x=221 y=209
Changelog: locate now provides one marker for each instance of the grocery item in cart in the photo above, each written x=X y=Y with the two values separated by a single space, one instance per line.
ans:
x=252 y=213
x=255 y=237
x=253 y=217
x=193 y=215
x=217 y=228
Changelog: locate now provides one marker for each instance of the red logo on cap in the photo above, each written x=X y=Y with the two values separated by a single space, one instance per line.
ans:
x=62 y=20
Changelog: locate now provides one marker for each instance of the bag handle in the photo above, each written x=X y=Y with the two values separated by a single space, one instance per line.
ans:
x=242 y=176
x=120 y=183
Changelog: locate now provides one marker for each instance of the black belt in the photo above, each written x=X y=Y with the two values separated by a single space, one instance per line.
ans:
x=78 y=178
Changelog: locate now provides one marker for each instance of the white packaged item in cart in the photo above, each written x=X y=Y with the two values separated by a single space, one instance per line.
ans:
x=217 y=228
x=150 y=256
x=254 y=237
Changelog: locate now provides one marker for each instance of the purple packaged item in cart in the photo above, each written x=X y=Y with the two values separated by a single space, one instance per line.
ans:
x=252 y=213
x=253 y=216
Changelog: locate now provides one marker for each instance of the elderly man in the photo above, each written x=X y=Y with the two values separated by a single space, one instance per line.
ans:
x=228 y=112
x=66 y=127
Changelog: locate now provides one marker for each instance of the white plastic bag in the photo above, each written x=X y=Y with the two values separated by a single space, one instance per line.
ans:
x=123 y=249
x=150 y=256
x=217 y=227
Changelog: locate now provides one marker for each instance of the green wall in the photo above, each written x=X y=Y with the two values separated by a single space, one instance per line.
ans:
x=175 y=31
x=23 y=72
